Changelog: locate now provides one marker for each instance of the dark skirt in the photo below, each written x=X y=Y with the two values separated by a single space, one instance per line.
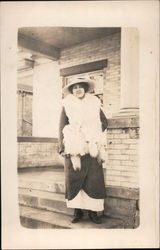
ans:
x=90 y=178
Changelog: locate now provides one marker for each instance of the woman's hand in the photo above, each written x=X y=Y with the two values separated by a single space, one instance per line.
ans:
x=100 y=161
x=64 y=155
x=76 y=162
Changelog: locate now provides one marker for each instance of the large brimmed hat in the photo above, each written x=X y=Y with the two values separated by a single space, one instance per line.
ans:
x=90 y=83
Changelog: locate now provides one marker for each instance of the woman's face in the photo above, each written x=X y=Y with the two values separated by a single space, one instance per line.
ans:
x=78 y=91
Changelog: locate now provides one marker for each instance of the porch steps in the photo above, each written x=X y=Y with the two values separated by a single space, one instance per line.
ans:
x=42 y=202
x=40 y=218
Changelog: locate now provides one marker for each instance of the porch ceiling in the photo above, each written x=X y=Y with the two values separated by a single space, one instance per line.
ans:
x=51 y=40
x=63 y=37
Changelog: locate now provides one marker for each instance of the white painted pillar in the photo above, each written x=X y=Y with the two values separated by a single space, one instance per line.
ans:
x=129 y=70
x=46 y=98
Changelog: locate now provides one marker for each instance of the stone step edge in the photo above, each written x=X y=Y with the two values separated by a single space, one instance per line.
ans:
x=32 y=223
x=44 y=200
x=44 y=216
x=40 y=179
x=55 y=168
x=62 y=221
x=55 y=187
x=41 y=194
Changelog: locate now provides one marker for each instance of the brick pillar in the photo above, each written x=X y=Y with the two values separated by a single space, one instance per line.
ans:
x=46 y=98
x=129 y=72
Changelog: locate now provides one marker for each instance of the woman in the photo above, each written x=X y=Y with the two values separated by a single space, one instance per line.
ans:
x=82 y=142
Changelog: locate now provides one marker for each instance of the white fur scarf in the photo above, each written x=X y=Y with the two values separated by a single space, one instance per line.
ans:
x=84 y=133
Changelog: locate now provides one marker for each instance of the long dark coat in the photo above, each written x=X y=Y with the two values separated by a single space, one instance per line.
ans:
x=90 y=178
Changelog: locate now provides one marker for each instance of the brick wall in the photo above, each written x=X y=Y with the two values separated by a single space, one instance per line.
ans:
x=37 y=153
x=122 y=147
x=122 y=171
x=122 y=164
x=103 y=48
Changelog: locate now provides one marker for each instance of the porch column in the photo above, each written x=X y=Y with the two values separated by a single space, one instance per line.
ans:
x=129 y=102
x=46 y=98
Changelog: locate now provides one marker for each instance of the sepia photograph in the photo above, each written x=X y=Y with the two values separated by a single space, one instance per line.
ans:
x=79 y=102
x=78 y=127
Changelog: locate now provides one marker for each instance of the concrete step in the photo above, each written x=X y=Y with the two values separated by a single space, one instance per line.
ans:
x=50 y=181
x=41 y=168
x=44 y=200
x=39 y=218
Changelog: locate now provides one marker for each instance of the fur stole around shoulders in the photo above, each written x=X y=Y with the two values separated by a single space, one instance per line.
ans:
x=84 y=113
x=83 y=134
